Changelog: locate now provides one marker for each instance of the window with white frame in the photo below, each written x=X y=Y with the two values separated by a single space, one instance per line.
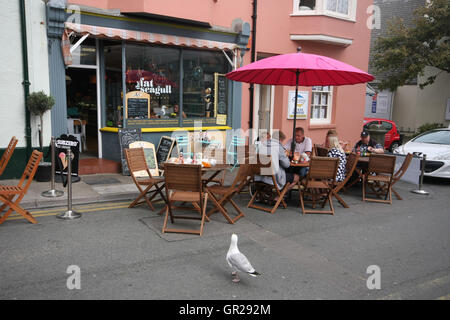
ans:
x=343 y=9
x=321 y=104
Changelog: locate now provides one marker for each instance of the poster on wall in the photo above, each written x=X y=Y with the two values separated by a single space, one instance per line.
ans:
x=447 y=111
x=302 y=104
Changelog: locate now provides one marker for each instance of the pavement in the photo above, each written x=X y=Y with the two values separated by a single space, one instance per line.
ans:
x=122 y=254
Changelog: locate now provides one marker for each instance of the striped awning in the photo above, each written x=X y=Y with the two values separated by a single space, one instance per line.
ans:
x=149 y=37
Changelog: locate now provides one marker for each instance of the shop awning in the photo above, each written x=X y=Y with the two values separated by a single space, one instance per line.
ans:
x=149 y=37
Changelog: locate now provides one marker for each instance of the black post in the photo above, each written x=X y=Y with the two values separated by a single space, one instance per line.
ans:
x=253 y=59
x=297 y=74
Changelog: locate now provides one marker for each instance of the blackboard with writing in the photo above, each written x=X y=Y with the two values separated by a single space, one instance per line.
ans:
x=221 y=92
x=137 y=105
x=164 y=149
x=127 y=136
x=220 y=98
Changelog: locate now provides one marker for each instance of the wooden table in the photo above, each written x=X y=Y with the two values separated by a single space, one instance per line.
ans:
x=299 y=164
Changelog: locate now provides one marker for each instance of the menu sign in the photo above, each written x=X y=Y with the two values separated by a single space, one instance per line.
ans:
x=137 y=105
x=164 y=150
x=62 y=144
x=150 y=158
x=126 y=137
x=220 y=97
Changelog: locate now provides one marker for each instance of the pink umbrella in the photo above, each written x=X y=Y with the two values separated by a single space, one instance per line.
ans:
x=294 y=69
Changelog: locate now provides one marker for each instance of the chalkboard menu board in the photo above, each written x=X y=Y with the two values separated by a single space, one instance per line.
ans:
x=220 y=97
x=127 y=136
x=164 y=150
x=137 y=105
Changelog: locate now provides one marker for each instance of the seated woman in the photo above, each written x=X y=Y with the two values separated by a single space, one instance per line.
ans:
x=336 y=151
x=331 y=133
x=274 y=147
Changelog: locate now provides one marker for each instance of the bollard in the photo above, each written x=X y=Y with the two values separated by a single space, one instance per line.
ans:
x=69 y=214
x=52 y=193
x=420 y=190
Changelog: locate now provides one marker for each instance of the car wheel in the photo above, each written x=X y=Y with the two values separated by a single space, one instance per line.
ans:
x=394 y=145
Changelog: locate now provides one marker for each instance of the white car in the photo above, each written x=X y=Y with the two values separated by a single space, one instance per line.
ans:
x=436 y=145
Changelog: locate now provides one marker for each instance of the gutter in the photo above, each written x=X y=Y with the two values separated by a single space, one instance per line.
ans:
x=26 y=81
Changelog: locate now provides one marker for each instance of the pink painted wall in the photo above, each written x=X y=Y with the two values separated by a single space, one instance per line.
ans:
x=274 y=27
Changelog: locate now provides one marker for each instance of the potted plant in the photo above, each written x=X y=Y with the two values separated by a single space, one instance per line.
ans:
x=39 y=103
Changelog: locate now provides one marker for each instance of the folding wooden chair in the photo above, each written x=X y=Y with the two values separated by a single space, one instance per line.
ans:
x=220 y=195
x=143 y=178
x=8 y=193
x=397 y=175
x=264 y=189
x=319 y=151
x=380 y=173
x=7 y=154
x=352 y=161
x=184 y=184
x=319 y=183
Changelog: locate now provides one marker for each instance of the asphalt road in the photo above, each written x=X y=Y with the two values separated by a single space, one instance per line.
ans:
x=121 y=253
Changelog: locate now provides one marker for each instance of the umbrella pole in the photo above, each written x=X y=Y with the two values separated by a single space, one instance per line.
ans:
x=291 y=154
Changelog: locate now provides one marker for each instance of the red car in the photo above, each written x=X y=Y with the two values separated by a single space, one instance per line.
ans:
x=392 y=138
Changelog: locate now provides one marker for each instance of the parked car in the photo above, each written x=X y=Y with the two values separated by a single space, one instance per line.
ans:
x=436 y=145
x=392 y=138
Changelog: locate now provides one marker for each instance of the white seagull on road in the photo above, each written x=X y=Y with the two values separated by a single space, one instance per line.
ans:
x=237 y=261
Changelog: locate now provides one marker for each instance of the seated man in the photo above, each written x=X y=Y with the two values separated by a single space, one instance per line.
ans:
x=367 y=144
x=302 y=145
x=273 y=147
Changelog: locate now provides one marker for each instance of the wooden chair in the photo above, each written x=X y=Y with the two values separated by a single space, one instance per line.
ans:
x=380 y=172
x=220 y=195
x=319 y=183
x=7 y=154
x=8 y=192
x=143 y=178
x=184 y=184
x=320 y=151
x=397 y=175
x=263 y=189
x=352 y=161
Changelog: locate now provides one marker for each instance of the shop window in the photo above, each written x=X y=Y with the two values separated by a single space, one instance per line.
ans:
x=113 y=83
x=85 y=53
x=321 y=104
x=202 y=72
x=154 y=70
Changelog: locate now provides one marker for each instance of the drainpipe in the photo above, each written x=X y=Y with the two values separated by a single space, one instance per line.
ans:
x=253 y=54
x=26 y=82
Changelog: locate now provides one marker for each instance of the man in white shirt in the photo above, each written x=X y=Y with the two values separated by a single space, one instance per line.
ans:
x=302 y=145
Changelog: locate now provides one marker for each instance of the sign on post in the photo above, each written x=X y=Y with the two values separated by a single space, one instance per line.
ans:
x=62 y=144
x=164 y=150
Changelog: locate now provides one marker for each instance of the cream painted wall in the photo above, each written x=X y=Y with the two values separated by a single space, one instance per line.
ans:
x=414 y=107
x=12 y=109
x=12 y=112
x=403 y=113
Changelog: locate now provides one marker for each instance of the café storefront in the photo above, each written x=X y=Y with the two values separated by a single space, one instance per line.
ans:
x=128 y=72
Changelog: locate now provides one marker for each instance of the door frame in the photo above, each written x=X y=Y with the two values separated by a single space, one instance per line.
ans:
x=257 y=105
x=98 y=84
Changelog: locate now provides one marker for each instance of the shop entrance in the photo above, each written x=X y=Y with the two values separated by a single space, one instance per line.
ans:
x=82 y=115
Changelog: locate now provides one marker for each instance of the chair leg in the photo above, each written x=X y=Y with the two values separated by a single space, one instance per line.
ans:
x=340 y=200
x=218 y=204
x=396 y=194
x=14 y=206
x=302 y=202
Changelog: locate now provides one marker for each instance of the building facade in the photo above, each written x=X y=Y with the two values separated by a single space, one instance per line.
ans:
x=159 y=66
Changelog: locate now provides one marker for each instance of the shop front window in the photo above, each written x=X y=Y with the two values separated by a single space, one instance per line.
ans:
x=203 y=84
x=113 y=83
x=152 y=85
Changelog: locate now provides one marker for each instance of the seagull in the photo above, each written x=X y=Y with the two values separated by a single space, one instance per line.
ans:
x=237 y=261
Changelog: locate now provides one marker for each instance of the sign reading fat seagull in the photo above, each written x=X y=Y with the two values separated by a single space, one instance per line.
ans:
x=148 y=87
